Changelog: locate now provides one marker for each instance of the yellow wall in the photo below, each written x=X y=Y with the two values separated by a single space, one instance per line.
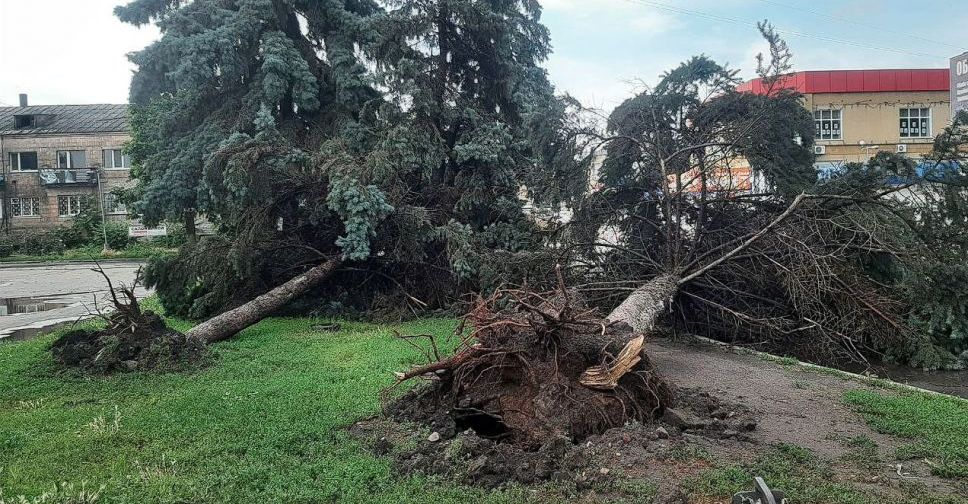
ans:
x=874 y=119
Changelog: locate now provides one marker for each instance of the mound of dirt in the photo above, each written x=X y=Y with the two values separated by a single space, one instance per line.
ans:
x=420 y=438
x=536 y=368
x=124 y=345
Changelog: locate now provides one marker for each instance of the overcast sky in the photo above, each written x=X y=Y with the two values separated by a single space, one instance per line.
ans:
x=73 y=51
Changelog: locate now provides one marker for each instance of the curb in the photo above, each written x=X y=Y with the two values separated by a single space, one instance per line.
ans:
x=869 y=380
x=80 y=262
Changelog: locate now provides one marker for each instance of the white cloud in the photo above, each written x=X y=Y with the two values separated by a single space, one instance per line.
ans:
x=583 y=5
x=654 y=23
x=66 y=51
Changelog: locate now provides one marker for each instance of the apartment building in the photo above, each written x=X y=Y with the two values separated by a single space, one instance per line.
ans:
x=52 y=156
x=861 y=112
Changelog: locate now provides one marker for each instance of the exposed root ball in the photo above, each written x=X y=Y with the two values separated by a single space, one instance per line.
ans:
x=518 y=375
x=126 y=347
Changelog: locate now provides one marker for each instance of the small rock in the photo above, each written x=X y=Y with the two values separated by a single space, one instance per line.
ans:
x=603 y=471
x=728 y=433
x=131 y=364
x=674 y=418
x=434 y=437
x=662 y=433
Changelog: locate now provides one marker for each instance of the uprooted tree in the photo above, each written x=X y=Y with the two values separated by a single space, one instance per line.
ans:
x=382 y=146
x=717 y=190
x=721 y=225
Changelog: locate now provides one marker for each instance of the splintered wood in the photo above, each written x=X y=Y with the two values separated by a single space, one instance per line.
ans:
x=606 y=377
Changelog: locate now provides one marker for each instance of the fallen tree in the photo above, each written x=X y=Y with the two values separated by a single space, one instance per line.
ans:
x=538 y=366
x=132 y=339
x=229 y=323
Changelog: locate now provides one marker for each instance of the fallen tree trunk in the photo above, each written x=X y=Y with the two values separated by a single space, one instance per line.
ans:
x=228 y=324
x=642 y=308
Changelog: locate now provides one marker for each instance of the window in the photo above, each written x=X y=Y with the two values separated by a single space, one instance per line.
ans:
x=113 y=205
x=114 y=159
x=23 y=161
x=24 y=121
x=25 y=207
x=71 y=159
x=828 y=123
x=915 y=123
x=68 y=206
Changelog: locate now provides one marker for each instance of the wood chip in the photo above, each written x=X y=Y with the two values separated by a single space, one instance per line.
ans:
x=606 y=376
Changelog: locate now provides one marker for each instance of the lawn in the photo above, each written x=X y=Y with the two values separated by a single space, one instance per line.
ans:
x=263 y=422
x=936 y=426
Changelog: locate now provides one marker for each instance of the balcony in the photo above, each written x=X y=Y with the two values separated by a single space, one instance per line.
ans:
x=67 y=177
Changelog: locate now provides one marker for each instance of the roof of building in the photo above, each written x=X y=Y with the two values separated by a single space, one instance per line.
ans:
x=858 y=81
x=60 y=119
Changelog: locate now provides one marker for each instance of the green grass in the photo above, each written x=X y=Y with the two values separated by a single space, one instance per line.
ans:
x=803 y=477
x=264 y=423
x=937 y=427
x=132 y=251
x=792 y=469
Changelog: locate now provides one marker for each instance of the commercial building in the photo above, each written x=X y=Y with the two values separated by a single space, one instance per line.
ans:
x=861 y=112
x=52 y=156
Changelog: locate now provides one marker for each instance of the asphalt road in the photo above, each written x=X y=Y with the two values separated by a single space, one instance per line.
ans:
x=54 y=293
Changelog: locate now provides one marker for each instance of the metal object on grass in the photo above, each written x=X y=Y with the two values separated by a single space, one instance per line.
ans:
x=762 y=495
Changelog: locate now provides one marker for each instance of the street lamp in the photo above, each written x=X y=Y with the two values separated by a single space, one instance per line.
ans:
x=104 y=219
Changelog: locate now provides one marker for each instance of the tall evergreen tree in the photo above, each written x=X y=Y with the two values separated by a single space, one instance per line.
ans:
x=401 y=139
x=475 y=124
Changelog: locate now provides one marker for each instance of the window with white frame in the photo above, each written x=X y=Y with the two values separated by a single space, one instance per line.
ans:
x=114 y=159
x=23 y=161
x=113 y=204
x=915 y=122
x=71 y=159
x=829 y=124
x=68 y=206
x=25 y=207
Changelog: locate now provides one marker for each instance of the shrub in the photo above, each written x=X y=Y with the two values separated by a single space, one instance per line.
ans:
x=40 y=243
x=7 y=246
x=176 y=236
x=73 y=236
x=117 y=235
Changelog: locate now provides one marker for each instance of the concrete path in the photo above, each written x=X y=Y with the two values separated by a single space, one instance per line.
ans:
x=54 y=293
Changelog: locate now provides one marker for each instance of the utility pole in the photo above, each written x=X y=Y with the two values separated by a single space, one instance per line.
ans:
x=104 y=220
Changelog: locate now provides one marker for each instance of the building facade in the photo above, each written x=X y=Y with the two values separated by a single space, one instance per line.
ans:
x=55 y=158
x=858 y=113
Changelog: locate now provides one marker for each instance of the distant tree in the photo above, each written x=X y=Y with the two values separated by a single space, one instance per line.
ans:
x=721 y=226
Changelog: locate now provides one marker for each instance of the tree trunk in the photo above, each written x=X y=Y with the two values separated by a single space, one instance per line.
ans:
x=190 y=233
x=642 y=308
x=228 y=324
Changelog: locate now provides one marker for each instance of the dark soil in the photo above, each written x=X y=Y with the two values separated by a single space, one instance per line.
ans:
x=731 y=409
x=518 y=376
x=423 y=439
x=147 y=345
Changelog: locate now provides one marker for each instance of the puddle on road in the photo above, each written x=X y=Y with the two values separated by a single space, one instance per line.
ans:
x=27 y=333
x=16 y=306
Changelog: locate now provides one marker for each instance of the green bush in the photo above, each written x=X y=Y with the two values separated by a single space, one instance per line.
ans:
x=176 y=236
x=40 y=243
x=73 y=236
x=117 y=235
x=7 y=246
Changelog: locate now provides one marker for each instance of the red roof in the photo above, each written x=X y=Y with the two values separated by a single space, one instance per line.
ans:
x=858 y=81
